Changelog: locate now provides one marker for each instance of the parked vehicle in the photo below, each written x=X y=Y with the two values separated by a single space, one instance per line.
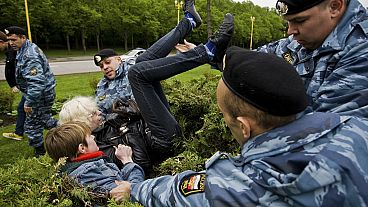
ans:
x=132 y=53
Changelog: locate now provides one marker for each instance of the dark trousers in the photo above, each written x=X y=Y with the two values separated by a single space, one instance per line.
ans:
x=21 y=117
x=153 y=66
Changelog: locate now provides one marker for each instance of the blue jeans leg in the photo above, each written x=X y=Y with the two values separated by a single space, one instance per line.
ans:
x=21 y=117
x=145 y=78
x=162 y=47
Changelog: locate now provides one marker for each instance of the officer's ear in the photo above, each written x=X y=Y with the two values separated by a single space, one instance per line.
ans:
x=337 y=7
x=245 y=126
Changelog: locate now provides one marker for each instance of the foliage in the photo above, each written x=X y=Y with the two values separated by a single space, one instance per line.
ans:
x=33 y=182
x=6 y=100
x=185 y=161
x=130 y=24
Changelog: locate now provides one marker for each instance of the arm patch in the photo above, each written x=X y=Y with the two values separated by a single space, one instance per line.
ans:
x=193 y=183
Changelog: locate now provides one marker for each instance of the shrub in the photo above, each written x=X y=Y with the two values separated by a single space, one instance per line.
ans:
x=6 y=100
x=33 y=182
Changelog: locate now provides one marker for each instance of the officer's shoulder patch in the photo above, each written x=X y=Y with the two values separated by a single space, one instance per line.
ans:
x=101 y=98
x=288 y=58
x=193 y=183
x=33 y=71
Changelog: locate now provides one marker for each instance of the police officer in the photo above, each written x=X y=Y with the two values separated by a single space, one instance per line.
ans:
x=317 y=159
x=36 y=81
x=114 y=85
x=328 y=47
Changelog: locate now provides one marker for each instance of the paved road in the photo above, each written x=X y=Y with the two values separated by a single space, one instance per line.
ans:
x=65 y=66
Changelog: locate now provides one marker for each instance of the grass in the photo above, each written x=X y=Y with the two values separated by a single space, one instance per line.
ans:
x=67 y=87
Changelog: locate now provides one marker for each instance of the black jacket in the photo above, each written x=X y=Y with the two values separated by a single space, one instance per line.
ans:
x=133 y=135
x=10 y=67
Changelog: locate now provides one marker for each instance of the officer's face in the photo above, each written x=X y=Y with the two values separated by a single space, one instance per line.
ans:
x=109 y=66
x=311 y=27
x=92 y=146
x=16 y=41
x=230 y=121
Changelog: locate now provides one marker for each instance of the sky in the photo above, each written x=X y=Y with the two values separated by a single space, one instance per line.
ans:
x=272 y=3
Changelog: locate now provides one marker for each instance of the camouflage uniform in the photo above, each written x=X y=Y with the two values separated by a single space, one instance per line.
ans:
x=109 y=90
x=335 y=74
x=317 y=160
x=36 y=80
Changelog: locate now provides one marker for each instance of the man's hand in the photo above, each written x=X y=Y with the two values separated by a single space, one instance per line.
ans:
x=15 y=89
x=124 y=153
x=120 y=192
x=185 y=47
x=27 y=109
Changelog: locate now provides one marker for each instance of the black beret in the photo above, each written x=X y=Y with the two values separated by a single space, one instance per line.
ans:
x=295 y=6
x=102 y=54
x=265 y=81
x=15 y=30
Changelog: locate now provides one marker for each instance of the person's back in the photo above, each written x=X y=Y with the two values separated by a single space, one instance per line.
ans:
x=328 y=46
x=39 y=87
x=287 y=158
x=299 y=164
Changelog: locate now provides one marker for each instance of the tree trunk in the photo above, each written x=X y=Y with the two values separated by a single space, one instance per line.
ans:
x=132 y=41
x=84 y=43
x=68 y=43
x=47 y=43
x=126 y=41
x=76 y=43
x=98 y=41
x=209 y=19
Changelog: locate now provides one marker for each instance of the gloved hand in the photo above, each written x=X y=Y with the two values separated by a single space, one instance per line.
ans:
x=127 y=108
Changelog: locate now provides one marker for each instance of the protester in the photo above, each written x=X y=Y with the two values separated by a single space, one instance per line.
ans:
x=128 y=127
x=10 y=79
x=328 y=47
x=287 y=158
x=84 y=162
x=37 y=83
x=109 y=133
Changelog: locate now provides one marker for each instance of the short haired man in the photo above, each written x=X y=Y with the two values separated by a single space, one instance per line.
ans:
x=328 y=47
x=316 y=159
x=10 y=79
x=114 y=85
x=37 y=83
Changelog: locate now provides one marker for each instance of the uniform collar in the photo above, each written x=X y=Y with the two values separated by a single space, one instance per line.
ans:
x=304 y=130
x=23 y=48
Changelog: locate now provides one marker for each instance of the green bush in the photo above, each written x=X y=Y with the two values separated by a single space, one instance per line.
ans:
x=33 y=182
x=6 y=101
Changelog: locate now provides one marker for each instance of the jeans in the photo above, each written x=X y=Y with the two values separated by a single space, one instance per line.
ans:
x=153 y=66
x=21 y=117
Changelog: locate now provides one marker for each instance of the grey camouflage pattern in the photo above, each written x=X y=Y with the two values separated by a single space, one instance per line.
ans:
x=110 y=90
x=318 y=160
x=335 y=74
x=37 y=82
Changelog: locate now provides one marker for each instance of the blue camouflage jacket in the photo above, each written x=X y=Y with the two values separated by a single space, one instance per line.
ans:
x=110 y=90
x=101 y=173
x=34 y=76
x=335 y=74
x=318 y=160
